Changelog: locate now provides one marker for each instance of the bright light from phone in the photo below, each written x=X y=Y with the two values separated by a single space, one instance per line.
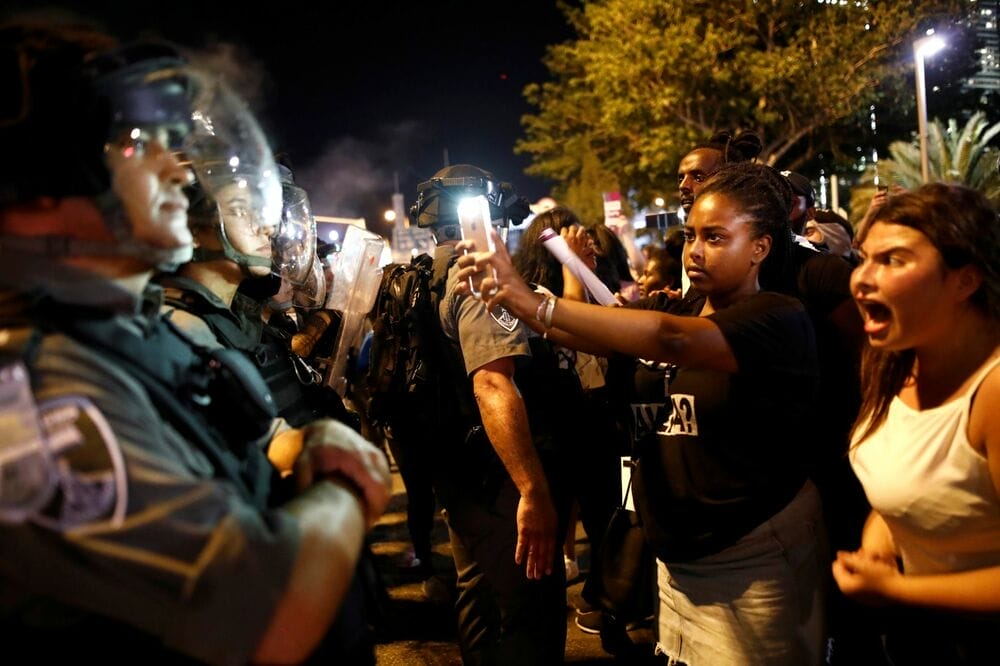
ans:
x=469 y=206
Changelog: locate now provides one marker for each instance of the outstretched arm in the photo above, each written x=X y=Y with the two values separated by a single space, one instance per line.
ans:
x=657 y=336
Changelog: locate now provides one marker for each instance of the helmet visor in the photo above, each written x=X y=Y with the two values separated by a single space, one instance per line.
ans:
x=312 y=294
x=230 y=156
x=294 y=244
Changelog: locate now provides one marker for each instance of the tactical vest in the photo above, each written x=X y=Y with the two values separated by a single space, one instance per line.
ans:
x=214 y=398
x=296 y=387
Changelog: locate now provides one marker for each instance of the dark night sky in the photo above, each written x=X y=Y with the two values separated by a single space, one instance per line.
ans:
x=357 y=92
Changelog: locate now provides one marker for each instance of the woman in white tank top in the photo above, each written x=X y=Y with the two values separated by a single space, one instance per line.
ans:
x=926 y=445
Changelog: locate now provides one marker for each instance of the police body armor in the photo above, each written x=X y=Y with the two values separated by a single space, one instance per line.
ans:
x=213 y=397
x=296 y=387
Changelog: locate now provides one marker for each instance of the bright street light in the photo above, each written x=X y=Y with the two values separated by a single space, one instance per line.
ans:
x=389 y=215
x=924 y=48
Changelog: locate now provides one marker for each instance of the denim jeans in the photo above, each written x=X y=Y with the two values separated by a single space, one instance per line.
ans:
x=759 y=601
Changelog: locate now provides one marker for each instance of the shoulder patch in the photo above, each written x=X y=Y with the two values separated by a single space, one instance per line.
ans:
x=91 y=483
x=26 y=477
x=503 y=317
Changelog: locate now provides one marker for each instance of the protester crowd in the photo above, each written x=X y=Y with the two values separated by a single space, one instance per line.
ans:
x=802 y=408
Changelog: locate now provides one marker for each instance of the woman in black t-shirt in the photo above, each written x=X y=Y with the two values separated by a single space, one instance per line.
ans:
x=722 y=487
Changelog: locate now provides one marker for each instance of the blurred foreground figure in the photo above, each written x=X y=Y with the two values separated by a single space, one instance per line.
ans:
x=134 y=504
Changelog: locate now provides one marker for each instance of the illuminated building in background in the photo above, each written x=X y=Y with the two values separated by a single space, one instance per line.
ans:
x=985 y=19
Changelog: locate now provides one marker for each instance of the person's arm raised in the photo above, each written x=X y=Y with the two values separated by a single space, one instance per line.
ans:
x=656 y=336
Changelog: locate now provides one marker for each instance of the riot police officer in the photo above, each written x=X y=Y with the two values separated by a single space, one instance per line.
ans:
x=134 y=501
x=498 y=476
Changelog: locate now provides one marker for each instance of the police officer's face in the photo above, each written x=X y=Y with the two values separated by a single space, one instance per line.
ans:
x=242 y=225
x=147 y=178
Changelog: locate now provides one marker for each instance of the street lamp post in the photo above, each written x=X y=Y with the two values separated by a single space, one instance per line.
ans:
x=923 y=48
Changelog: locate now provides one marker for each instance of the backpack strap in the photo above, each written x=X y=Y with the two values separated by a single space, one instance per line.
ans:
x=458 y=397
x=440 y=266
x=224 y=324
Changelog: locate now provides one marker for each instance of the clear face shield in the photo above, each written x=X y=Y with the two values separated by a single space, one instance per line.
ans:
x=294 y=244
x=167 y=109
x=243 y=230
x=149 y=104
x=233 y=164
x=312 y=293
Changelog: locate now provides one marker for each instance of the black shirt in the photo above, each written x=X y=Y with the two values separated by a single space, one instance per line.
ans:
x=730 y=452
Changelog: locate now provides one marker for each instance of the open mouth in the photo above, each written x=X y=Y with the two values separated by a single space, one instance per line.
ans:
x=875 y=314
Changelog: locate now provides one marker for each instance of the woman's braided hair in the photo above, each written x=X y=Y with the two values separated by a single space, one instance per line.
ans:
x=766 y=197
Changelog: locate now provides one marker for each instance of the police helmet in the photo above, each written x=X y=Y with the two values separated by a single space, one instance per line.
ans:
x=437 y=199
x=76 y=97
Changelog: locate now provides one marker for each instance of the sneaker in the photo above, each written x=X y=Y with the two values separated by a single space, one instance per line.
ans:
x=411 y=561
x=572 y=569
x=591 y=622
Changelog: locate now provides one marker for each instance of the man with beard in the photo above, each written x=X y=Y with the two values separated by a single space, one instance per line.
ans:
x=706 y=158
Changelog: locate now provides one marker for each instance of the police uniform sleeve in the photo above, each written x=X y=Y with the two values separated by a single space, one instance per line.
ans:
x=486 y=336
x=162 y=545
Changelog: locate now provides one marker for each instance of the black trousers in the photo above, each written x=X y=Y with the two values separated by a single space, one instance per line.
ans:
x=504 y=618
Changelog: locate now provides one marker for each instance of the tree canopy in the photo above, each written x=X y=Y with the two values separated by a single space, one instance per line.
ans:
x=955 y=154
x=645 y=79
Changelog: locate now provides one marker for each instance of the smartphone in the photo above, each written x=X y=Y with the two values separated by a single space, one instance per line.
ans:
x=474 y=218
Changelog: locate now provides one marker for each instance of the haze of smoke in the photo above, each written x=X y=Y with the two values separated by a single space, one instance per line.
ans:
x=354 y=177
x=236 y=66
x=343 y=178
